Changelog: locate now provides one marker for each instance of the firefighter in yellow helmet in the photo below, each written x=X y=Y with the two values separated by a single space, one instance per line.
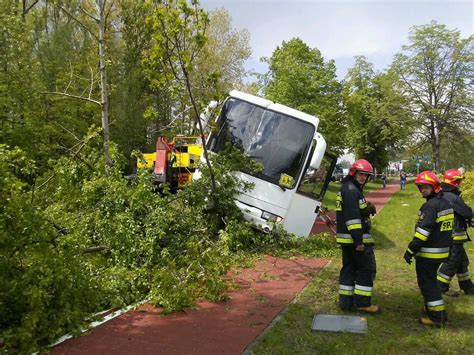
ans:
x=458 y=262
x=430 y=245
x=357 y=274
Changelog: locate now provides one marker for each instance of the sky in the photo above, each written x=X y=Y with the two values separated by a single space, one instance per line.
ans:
x=340 y=29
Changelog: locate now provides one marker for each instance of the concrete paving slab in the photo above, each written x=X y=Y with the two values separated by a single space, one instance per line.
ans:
x=339 y=323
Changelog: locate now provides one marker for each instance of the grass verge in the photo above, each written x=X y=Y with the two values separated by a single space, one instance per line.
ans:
x=396 y=330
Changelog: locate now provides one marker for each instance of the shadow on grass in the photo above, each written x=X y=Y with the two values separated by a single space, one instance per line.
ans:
x=405 y=306
x=381 y=240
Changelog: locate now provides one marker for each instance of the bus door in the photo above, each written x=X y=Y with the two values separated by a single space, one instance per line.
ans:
x=306 y=203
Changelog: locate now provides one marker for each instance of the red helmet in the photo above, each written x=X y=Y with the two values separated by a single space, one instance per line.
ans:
x=361 y=165
x=428 y=178
x=453 y=177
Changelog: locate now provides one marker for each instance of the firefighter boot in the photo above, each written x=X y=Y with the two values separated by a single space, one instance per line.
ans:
x=372 y=309
x=429 y=322
x=347 y=307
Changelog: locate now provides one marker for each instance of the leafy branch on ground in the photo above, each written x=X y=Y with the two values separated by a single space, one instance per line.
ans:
x=90 y=241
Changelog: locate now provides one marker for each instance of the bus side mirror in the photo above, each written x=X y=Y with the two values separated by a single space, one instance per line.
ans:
x=319 y=151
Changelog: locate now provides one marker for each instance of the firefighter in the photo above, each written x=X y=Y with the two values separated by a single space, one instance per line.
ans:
x=458 y=261
x=353 y=234
x=430 y=245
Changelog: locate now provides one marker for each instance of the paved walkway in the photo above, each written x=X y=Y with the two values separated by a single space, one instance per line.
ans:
x=223 y=328
x=378 y=197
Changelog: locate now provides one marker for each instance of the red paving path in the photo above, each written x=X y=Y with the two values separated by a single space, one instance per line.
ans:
x=223 y=328
x=378 y=197
x=213 y=328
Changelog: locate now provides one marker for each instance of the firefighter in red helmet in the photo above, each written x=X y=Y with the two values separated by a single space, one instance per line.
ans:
x=353 y=235
x=458 y=261
x=430 y=245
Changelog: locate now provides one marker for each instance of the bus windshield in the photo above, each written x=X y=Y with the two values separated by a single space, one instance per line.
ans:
x=277 y=141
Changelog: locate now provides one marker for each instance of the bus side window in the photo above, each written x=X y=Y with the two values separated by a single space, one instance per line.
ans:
x=314 y=182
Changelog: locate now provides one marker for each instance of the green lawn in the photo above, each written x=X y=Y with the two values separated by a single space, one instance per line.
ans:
x=396 y=330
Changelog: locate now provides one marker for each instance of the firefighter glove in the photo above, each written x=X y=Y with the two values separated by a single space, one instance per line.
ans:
x=408 y=257
x=371 y=209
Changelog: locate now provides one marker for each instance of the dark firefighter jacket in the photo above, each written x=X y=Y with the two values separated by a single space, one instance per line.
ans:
x=462 y=213
x=433 y=231
x=352 y=215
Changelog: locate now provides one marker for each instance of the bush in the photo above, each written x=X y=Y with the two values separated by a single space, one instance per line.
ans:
x=467 y=188
x=44 y=292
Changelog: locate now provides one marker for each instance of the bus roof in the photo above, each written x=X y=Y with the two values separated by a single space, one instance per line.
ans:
x=275 y=107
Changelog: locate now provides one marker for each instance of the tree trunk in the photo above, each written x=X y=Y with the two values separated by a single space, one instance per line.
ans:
x=201 y=130
x=436 y=144
x=437 y=154
x=103 y=82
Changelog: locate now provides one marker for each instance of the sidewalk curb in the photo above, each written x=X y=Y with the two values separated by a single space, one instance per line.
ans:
x=95 y=324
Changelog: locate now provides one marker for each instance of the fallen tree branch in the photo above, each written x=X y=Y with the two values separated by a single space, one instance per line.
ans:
x=95 y=249
x=72 y=96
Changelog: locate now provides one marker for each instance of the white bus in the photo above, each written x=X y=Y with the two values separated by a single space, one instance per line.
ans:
x=296 y=170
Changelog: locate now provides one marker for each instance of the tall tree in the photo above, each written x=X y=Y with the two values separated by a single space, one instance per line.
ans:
x=67 y=58
x=131 y=95
x=220 y=64
x=95 y=17
x=377 y=120
x=299 y=77
x=36 y=45
x=437 y=77
x=194 y=57
x=458 y=153
x=179 y=35
x=19 y=82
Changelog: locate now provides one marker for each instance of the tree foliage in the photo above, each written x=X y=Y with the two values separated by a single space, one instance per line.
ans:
x=20 y=101
x=299 y=77
x=458 y=153
x=467 y=188
x=37 y=276
x=378 y=123
x=132 y=129
x=229 y=49
x=168 y=45
x=436 y=72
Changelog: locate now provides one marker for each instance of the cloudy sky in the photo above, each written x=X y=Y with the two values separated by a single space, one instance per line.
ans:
x=341 y=29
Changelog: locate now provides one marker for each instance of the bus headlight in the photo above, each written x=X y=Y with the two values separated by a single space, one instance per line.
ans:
x=271 y=217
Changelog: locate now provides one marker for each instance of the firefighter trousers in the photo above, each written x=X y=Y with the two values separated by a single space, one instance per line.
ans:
x=356 y=278
x=456 y=264
x=426 y=272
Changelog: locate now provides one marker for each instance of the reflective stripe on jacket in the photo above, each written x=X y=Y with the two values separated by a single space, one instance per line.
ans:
x=462 y=213
x=433 y=231
x=353 y=222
